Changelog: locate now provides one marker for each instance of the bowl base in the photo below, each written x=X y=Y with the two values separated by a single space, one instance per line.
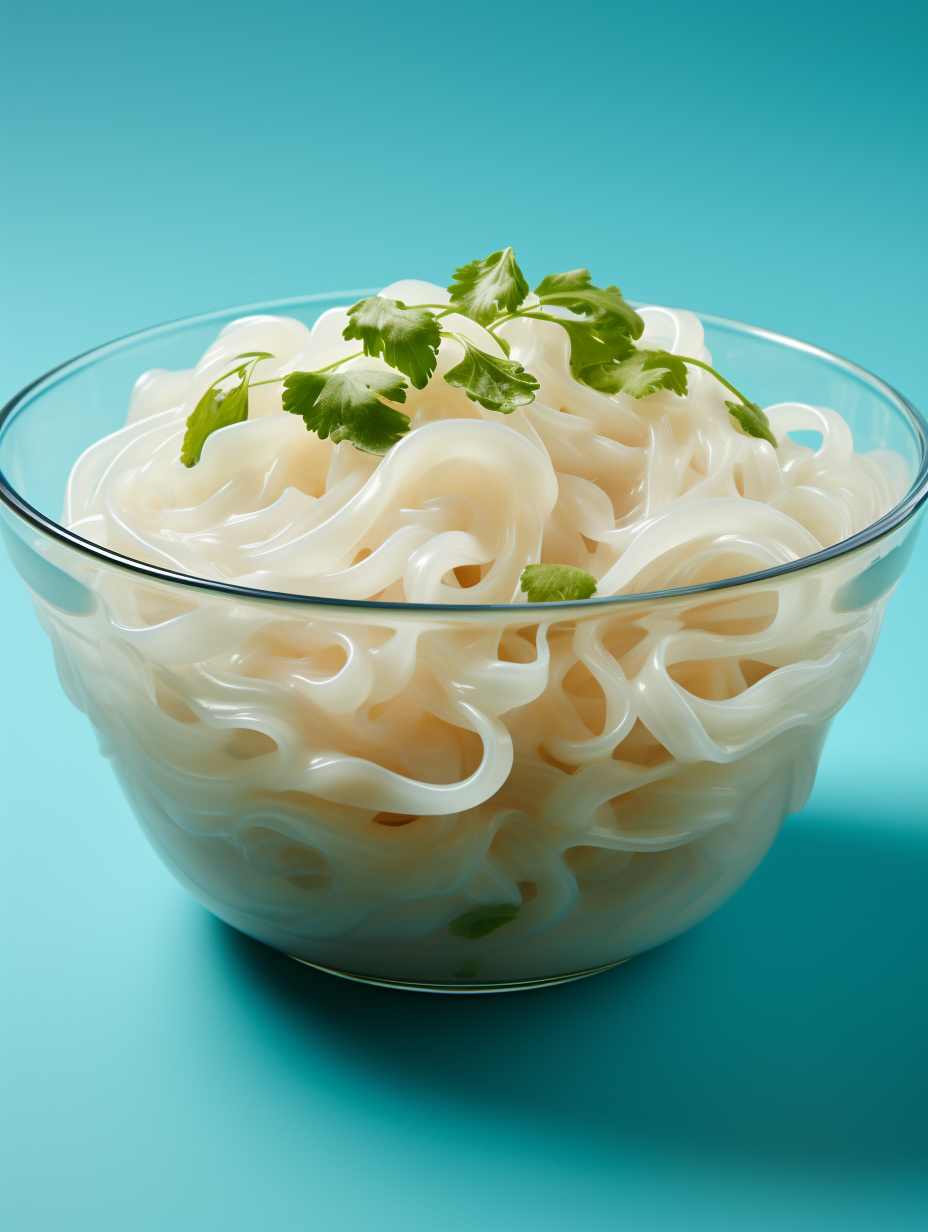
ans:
x=459 y=986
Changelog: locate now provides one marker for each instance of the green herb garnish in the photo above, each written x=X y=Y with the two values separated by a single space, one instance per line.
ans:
x=407 y=338
x=752 y=420
x=219 y=407
x=469 y=970
x=557 y=583
x=351 y=406
x=477 y=924
x=612 y=316
x=483 y=290
x=497 y=384
x=640 y=373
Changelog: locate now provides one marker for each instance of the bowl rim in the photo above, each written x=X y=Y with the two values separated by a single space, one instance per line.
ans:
x=899 y=514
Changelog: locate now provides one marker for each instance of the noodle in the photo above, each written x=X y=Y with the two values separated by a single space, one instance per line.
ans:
x=345 y=784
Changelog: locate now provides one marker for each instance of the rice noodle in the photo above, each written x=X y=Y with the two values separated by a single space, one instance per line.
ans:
x=341 y=784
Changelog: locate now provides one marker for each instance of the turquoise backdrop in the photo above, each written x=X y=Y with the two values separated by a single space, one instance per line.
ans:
x=763 y=161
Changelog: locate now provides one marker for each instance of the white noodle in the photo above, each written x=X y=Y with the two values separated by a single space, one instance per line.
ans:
x=619 y=776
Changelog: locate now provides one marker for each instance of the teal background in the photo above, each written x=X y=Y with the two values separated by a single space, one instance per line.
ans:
x=767 y=1070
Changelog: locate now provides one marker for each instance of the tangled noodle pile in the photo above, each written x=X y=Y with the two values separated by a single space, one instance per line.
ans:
x=367 y=776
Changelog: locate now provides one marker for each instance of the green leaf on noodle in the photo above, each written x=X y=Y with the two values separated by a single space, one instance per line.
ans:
x=497 y=384
x=407 y=338
x=610 y=313
x=640 y=373
x=752 y=420
x=219 y=408
x=557 y=583
x=477 y=924
x=557 y=284
x=483 y=289
x=588 y=350
x=216 y=409
x=348 y=406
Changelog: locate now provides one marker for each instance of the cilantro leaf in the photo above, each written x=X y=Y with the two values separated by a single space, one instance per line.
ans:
x=497 y=384
x=347 y=406
x=216 y=409
x=752 y=420
x=557 y=583
x=610 y=312
x=470 y=970
x=219 y=408
x=555 y=284
x=407 y=338
x=640 y=373
x=482 y=290
x=477 y=924
x=588 y=349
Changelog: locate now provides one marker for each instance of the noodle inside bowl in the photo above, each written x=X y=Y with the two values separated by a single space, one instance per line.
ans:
x=364 y=783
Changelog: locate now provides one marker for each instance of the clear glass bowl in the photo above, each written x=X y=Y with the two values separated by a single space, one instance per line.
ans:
x=593 y=845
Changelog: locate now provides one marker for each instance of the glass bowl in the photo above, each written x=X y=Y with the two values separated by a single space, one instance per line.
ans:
x=563 y=848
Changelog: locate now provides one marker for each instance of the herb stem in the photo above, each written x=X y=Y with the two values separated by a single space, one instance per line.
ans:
x=329 y=367
x=706 y=368
x=274 y=379
x=535 y=316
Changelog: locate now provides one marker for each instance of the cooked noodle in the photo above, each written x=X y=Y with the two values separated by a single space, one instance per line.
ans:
x=344 y=781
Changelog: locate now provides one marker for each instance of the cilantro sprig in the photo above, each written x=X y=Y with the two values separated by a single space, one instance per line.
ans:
x=483 y=290
x=497 y=384
x=219 y=407
x=483 y=921
x=407 y=338
x=349 y=406
x=752 y=420
x=556 y=583
x=360 y=405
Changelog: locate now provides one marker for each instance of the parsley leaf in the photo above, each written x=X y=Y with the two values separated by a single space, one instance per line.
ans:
x=610 y=312
x=219 y=408
x=347 y=406
x=477 y=924
x=497 y=384
x=556 y=284
x=407 y=338
x=216 y=409
x=640 y=373
x=484 y=289
x=557 y=583
x=752 y=420
x=588 y=349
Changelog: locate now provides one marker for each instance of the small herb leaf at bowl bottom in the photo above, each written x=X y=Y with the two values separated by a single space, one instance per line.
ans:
x=557 y=583
x=752 y=420
x=469 y=971
x=485 y=920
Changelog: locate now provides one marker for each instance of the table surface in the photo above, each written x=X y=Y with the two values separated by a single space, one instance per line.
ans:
x=767 y=1069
